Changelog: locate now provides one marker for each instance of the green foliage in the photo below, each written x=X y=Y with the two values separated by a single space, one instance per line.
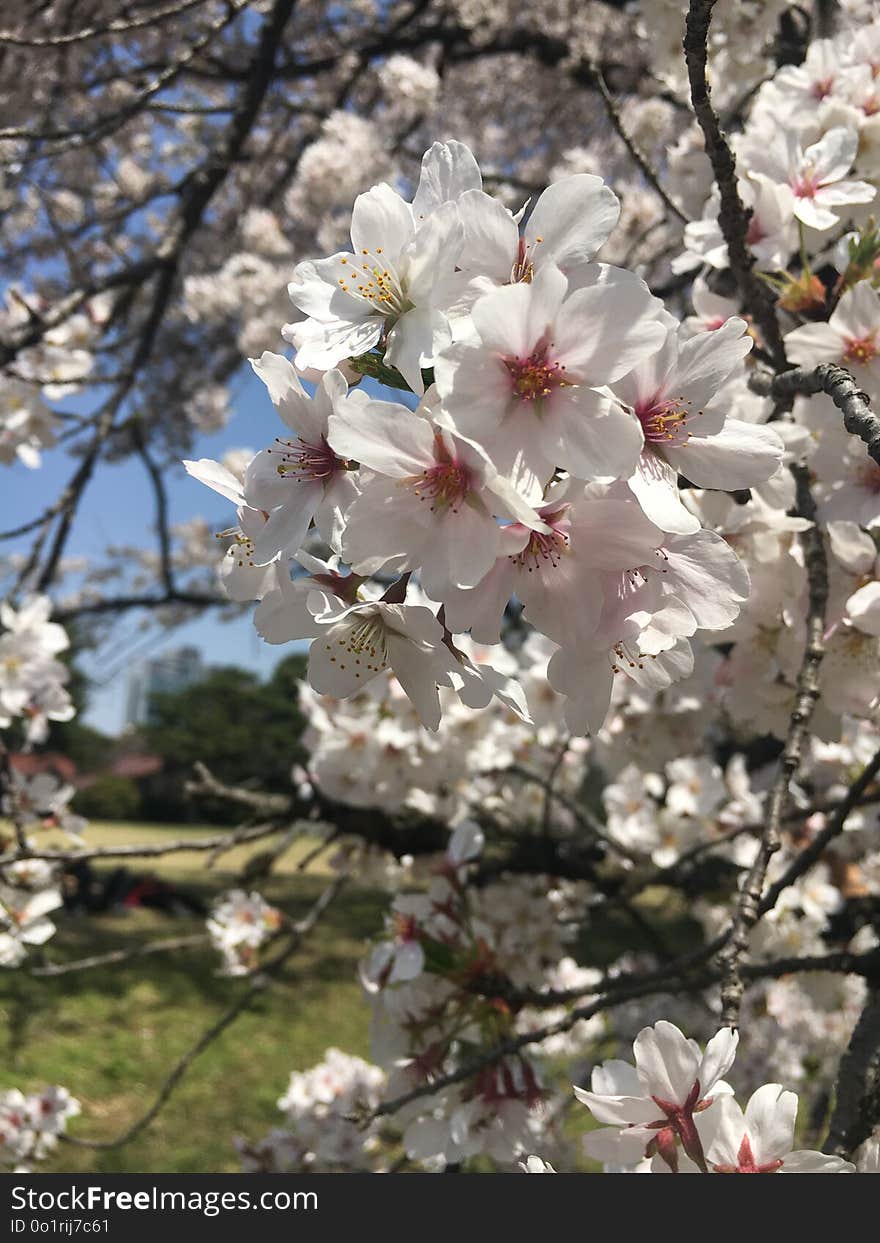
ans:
x=243 y=729
x=109 y=798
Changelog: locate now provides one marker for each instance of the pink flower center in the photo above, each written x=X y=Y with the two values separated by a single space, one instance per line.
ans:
x=306 y=463
x=806 y=184
x=746 y=1162
x=861 y=350
x=665 y=422
x=822 y=88
x=542 y=549
x=535 y=377
x=678 y=1122
x=404 y=926
x=443 y=486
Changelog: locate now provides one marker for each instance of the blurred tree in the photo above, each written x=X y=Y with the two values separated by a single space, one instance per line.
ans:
x=245 y=730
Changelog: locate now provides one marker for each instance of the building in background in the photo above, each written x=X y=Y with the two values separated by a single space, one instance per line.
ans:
x=171 y=671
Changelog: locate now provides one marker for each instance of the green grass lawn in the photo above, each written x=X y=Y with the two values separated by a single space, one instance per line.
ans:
x=111 y=1034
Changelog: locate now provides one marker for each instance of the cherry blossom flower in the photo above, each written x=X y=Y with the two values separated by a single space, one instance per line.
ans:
x=524 y=386
x=355 y=643
x=759 y=1140
x=393 y=287
x=652 y=1107
x=300 y=478
x=674 y=394
x=430 y=502
x=850 y=338
x=818 y=176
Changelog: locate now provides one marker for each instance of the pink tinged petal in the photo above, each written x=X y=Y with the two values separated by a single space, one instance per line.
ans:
x=833 y=155
x=721 y=1129
x=857 y=314
x=288 y=395
x=587 y=436
x=718 y=1058
x=615 y=1078
x=384 y=436
x=415 y=671
x=845 y=192
x=501 y=319
x=387 y=528
x=449 y=170
x=286 y=527
x=491 y=237
x=339 y=663
x=770 y=1117
x=412 y=343
x=618 y=1110
x=573 y=218
x=739 y=456
x=242 y=581
x=666 y=1063
x=265 y=488
x=325 y=345
x=587 y=683
x=808 y=211
x=706 y=574
x=518 y=450
x=612 y=534
x=409 y=961
x=317 y=291
x=863 y=608
x=510 y=503
x=614 y=1147
x=853 y=547
x=475 y=389
x=603 y=331
x=707 y=360
x=463 y=547
x=436 y=248
x=814 y=343
x=481 y=609
x=806 y=1162
x=216 y=477
x=332 y=512
x=478 y=691
x=282 y=615
x=653 y=377
x=558 y=597
x=655 y=484
x=380 y=222
x=414 y=622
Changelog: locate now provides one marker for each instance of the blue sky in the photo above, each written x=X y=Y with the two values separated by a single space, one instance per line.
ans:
x=118 y=508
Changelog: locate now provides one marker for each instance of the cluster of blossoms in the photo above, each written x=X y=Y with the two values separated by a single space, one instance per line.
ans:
x=446 y=943
x=559 y=404
x=29 y=890
x=323 y=1132
x=32 y=680
x=32 y=693
x=45 y=373
x=30 y=1125
x=238 y=925
x=674 y=1113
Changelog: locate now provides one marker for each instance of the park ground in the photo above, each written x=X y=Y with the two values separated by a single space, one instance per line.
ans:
x=111 y=1034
